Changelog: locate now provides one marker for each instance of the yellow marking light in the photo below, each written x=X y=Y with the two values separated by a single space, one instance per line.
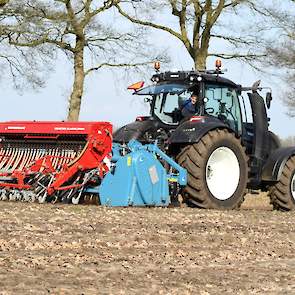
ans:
x=172 y=179
x=129 y=161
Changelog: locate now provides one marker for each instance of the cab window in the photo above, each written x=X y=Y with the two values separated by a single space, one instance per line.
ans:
x=167 y=106
x=223 y=103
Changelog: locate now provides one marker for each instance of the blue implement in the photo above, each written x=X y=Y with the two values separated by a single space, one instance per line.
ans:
x=138 y=178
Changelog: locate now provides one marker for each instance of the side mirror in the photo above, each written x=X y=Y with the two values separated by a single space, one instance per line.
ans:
x=268 y=99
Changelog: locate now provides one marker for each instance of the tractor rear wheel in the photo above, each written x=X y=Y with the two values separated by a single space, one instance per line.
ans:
x=217 y=171
x=282 y=194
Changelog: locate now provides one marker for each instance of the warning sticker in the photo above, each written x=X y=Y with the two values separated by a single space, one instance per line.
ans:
x=153 y=174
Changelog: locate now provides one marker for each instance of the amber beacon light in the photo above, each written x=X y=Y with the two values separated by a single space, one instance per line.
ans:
x=218 y=64
x=157 y=66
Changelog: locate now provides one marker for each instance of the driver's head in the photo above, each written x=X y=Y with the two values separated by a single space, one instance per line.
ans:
x=194 y=98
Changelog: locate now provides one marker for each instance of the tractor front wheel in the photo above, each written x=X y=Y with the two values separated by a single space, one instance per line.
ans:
x=217 y=171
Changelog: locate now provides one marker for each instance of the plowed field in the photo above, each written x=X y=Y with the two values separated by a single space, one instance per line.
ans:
x=63 y=249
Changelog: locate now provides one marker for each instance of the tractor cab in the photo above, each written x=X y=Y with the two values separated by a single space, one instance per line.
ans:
x=216 y=98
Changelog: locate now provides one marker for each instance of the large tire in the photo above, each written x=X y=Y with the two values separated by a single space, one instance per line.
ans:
x=282 y=194
x=217 y=169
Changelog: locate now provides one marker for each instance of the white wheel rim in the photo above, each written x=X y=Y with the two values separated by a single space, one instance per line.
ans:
x=223 y=173
x=293 y=186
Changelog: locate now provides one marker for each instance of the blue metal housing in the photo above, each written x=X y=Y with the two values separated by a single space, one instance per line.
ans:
x=138 y=178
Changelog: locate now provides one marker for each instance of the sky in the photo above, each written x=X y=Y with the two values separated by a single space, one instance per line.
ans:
x=106 y=97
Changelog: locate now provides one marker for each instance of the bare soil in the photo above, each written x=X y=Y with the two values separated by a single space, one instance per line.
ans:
x=63 y=249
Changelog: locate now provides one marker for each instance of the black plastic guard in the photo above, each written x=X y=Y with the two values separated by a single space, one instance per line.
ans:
x=135 y=130
x=193 y=131
x=260 y=123
x=273 y=167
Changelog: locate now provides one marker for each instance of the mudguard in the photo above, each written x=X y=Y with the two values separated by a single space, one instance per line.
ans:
x=193 y=130
x=136 y=130
x=273 y=167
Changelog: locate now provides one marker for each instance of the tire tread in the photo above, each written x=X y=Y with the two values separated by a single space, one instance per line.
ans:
x=280 y=193
x=192 y=158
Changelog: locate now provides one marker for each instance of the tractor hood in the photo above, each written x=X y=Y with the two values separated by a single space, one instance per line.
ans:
x=143 y=131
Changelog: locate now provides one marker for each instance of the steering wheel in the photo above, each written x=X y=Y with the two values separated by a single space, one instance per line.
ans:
x=175 y=115
x=209 y=110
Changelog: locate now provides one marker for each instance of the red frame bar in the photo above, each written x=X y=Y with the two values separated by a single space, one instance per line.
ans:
x=51 y=127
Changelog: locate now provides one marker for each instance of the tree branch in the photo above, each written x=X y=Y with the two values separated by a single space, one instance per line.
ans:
x=149 y=24
x=42 y=41
x=247 y=56
x=121 y=65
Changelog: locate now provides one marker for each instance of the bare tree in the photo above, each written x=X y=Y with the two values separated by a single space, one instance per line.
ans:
x=26 y=67
x=279 y=45
x=195 y=23
x=80 y=30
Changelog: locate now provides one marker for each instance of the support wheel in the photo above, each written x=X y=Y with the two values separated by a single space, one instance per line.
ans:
x=282 y=194
x=217 y=171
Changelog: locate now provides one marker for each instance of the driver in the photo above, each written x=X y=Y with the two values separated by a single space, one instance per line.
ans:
x=189 y=106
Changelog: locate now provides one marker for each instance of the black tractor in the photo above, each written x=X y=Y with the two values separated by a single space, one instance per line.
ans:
x=224 y=153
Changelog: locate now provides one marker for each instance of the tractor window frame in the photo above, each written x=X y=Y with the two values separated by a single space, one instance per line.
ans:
x=229 y=111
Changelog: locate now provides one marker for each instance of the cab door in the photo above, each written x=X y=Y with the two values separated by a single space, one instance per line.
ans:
x=222 y=101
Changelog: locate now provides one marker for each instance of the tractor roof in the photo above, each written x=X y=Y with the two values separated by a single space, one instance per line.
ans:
x=189 y=77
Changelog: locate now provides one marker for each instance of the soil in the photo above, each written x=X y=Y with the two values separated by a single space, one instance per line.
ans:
x=65 y=249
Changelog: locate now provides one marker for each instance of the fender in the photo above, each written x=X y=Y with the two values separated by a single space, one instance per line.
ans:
x=274 y=166
x=193 y=130
x=135 y=130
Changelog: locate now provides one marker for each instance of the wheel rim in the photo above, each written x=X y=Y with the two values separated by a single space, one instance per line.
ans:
x=223 y=173
x=293 y=186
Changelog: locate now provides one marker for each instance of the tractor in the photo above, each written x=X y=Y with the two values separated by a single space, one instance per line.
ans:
x=225 y=154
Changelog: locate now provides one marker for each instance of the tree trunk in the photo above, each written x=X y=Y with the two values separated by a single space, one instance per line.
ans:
x=200 y=61
x=3 y=2
x=78 y=86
